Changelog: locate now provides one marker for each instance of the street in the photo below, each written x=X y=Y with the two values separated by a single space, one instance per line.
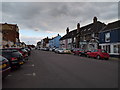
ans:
x=46 y=69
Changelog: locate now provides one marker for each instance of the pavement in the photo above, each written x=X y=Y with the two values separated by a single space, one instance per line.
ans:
x=114 y=58
x=46 y=69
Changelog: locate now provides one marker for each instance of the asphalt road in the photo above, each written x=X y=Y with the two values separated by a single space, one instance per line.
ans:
x=50 y=70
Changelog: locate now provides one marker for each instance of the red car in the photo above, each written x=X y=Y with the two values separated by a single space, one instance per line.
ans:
x=98 y=53
x=78 y=51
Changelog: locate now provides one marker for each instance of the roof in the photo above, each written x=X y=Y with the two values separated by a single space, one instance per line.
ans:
x=112 y=26
x=6 y=26
x=55 y=37
x=88 y=29
x=69 y=35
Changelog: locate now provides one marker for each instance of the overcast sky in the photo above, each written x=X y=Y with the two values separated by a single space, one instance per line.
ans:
x=37 y=20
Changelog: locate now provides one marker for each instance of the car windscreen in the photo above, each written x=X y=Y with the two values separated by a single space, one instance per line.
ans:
x=81 y=50
x=103 y=51
x=23 y=50
x=1 y=58
x=9 y=54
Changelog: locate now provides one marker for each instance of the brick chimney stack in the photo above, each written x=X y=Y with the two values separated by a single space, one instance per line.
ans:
x=78 y=27
x=94 y=19
x=78 y=35
x=67 y=30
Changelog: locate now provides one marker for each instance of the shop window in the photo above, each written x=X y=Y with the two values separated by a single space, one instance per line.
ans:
x=104 y=48
x=108 y=48
x=115 y=49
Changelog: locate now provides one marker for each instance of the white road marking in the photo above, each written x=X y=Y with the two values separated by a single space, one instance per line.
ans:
x=31 y=74
x=34 y=74
x=9 y=75
x=33 y=65
x=28 y=74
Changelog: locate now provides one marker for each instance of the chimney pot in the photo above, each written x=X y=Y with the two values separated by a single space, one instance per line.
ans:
x=67 y=30
x=78 y=27
x=95 y=19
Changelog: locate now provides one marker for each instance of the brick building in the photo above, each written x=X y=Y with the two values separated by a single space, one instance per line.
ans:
x=10 y=34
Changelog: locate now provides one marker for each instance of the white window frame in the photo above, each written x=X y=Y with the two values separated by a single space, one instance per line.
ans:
x=107 y=37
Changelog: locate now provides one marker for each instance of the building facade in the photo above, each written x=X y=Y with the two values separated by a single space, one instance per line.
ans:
x=85 y=37
x=10 y=34
x=109 y=38
x=68 y=41
x=43 y=43
x=54 y=42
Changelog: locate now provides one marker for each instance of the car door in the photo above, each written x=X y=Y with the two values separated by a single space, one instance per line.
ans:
x=92 y=53
x=95 y=53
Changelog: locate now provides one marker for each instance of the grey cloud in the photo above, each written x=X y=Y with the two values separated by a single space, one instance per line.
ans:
x=56 y=16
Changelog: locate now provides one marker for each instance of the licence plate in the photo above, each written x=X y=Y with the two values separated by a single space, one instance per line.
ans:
x=20 y=62
x=3 y=66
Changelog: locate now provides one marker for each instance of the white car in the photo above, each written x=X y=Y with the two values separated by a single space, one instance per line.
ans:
x=56 y=50
x=60 y=50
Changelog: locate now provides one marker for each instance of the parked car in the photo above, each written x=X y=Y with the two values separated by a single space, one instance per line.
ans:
x=56 y=50
x=98 y=53
x=22 y=51
x=67 y=51
x=53 y=49
x=78 y=51
x=5 y=68
x=62 y=51
x=15 y=58
x=50 y=49
x=46 y=49
x=28 y=50
x=59 y=50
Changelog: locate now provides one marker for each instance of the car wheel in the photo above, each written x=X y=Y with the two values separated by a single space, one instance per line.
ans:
x=79 y=54
x=98 y=57
x=106 y=58
x=88 y=56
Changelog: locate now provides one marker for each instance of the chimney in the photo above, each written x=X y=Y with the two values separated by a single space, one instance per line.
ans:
x=78 y=27
x=67 y=30
x=94 y=19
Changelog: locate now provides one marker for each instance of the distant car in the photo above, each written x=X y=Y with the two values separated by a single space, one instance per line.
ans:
x=56 y=50
x=98 y=53
x=62 y=51
x=15 y=58
x=53 y=49
x=46 y=49
x=50 y=49
x=67 y=51
x=59 y=50
x=5 y=68
x=78 y=51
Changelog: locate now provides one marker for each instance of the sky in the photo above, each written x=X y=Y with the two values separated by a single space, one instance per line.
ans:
x=37 y=20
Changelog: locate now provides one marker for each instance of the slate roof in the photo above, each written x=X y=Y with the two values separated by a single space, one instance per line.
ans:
x=88 y=29
x=69 y=35
x=111 y=26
